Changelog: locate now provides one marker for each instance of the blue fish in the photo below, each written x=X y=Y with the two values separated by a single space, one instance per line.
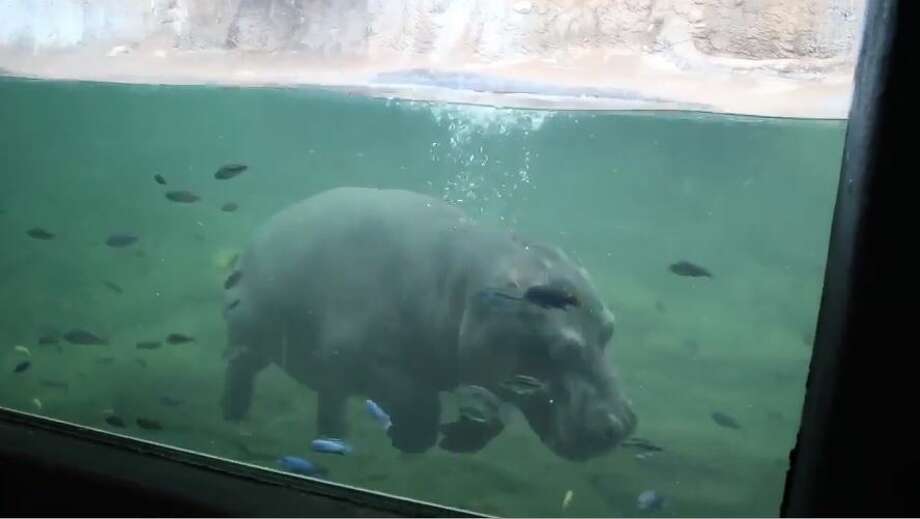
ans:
x=301 y=466
x=378 y=414
x=330 y=446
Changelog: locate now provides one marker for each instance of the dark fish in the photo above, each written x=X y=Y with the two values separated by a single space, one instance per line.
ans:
x=49 y=339
x=685 y=268
x=170 y=401
x=40 y=234
x=121 y=240
x=229 y=207
x=22 y=366
x=114 y=421
x=550 y=297
x=230 y=171
x=184 y=197
x=159 y=179
x=178 y=338
x=113 y=287
x=141 y=362
x=105 y=360
x=55 y=384
x=641 y=444
x=149 y=345
x=725 y=421
x=150 y=425
x=83 y=337
x=233 y=279
x=233 y=304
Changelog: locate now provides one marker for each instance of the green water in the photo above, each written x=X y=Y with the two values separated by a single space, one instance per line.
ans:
x=625 y=193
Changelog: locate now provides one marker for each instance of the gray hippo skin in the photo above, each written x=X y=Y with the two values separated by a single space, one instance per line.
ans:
x=396 y=296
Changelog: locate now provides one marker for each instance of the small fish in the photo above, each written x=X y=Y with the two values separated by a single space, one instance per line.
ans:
x=233 y=279
x=48 y=339
x=37 y=403
x=725 y=421
x=330 y=446
x=150 y=425
x=170 y=401
x=229 y=207
x=685 y=268
x=550 y=297
x=22 y=349
x=55 y=384
x=83 y=337
x=159 y=179
x=378 y=414
x=567 y=499
x=229 y=171
x=524 y=385
x=141 y=362
x=178 y=338
x=113 y=287
x=233 y=304
x=22 y=366
x=649 y=501
x=149 y=345
x=121 y=240
x=114 y=421
x=40 y=234
x=183 y=197
x=105 y=360
x=301 y=466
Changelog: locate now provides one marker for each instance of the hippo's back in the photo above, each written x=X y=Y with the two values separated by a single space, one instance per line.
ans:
x=345 y=261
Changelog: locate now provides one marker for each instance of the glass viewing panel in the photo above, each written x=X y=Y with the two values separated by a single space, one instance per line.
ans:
x=549 y=308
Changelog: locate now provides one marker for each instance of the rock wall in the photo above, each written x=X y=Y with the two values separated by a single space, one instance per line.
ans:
x=450 y=30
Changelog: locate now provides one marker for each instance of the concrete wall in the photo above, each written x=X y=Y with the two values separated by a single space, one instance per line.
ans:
x=480 y=30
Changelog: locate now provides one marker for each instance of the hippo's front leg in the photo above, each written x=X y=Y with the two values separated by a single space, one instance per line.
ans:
x=415 y=410
x=465 y=435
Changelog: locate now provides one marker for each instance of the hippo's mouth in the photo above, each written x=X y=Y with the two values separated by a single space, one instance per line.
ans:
x=574 y=427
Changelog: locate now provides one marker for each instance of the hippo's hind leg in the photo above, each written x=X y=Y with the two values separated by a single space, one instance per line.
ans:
x=330 y=416
x=242 y=367
x=415 y=413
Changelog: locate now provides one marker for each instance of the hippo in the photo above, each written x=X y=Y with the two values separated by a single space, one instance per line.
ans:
x=396 y=297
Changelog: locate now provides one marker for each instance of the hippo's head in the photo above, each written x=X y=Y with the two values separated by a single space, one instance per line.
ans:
x=538 y=316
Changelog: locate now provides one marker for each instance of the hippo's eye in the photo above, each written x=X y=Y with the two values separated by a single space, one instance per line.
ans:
x=550 y=297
